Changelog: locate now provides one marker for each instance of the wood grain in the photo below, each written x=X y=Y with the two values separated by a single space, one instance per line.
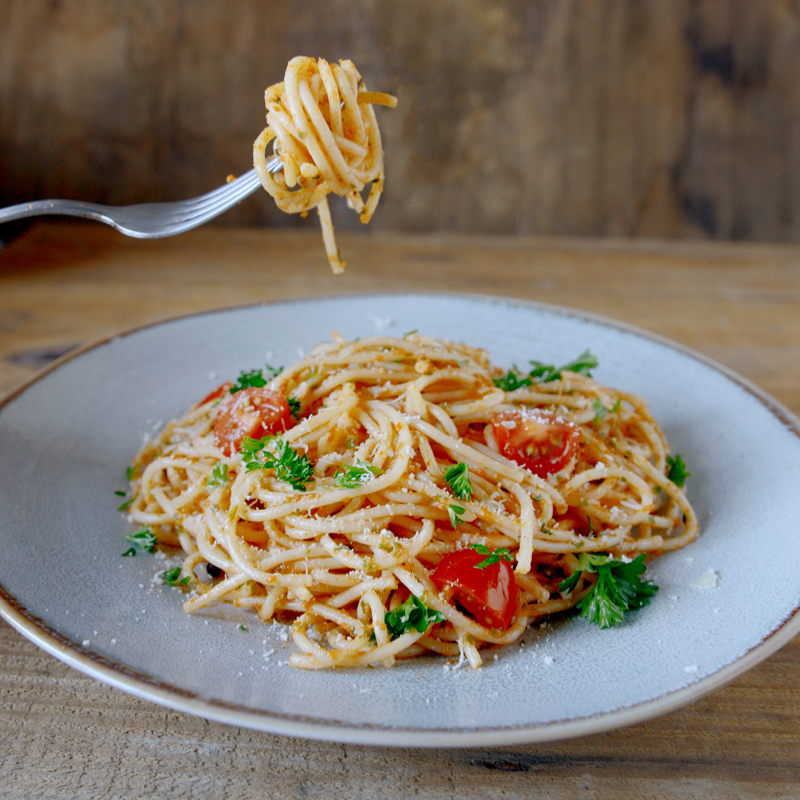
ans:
x=65 y=735
x=671 y=118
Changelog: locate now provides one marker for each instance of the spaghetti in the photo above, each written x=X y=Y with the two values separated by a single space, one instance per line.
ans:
x=343 y=493
x=327 y=137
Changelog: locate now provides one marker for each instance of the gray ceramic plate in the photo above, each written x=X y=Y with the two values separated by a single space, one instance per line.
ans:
x=67 y=437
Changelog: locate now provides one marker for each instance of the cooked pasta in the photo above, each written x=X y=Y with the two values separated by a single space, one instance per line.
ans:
x=327 y=138
x=353 y=493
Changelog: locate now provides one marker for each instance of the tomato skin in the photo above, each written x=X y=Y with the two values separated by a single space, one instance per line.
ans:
x=218 y=392
x=489 y=594
x=254 y=413
x=535 y=439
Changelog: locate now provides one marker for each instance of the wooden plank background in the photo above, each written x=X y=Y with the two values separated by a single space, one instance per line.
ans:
x=668 y=118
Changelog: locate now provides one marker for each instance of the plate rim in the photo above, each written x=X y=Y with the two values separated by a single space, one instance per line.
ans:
x=143 y=686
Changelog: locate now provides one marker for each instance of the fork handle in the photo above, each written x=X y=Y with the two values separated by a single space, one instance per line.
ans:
x=73 y=208
x=79 y=208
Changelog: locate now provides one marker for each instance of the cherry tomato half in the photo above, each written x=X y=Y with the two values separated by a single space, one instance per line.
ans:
x=489 y=594
x=537 y=440
x=252 y=412
x=218 y=392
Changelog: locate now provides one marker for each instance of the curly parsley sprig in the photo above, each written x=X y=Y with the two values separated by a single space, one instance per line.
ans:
x=512 y=380
x=677 y=471
x=219 y=476
x=351 y=477
x=545 y=373
x=413 y=615
x=255 y=378
x=143 y=538
x=457 y=477
x=618 y=587
x=289 y=465
x=582 y=365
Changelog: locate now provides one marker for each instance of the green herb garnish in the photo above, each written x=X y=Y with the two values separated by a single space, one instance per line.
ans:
x=248 y=380
x=454 y=511
x=601 y=411
x=457 y=477
x=143 y=538
x=351 y=477
x=289 y=465
x=219 y=475
x=294 y=407
x=677 y=472
x=172 y=577
x=413 y=615
x=126 y=505
x=130 y=473
x=492 y=556
x=255 y=378
x=130 y=552
x=512 y=380
x=582 y=365
x=618 y=588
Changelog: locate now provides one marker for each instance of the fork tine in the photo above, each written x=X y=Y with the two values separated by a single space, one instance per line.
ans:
x=242 y=186
x=211 y=204
x=191 y=214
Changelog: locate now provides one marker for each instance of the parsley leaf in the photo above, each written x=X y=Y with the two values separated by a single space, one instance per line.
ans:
x=294 y=407
x=492 y=556
x=130 y=473
x=512 y=380
x=126 y=505
x=454 y=511
x=677 y=472
x=457 y=477
x=255 y=378
x=289 y=465
x=583 y=365
x=144 y=538
x=119 y=493
x=351 y=477
x=219 y=475
x=412 y=615
x=248 y=380
x=618 y=588
x=172 y=577
x=601 y=411
x=131 y=551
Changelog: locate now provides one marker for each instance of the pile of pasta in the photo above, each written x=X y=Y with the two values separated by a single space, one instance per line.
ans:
x=335 y=560
x=327 y=138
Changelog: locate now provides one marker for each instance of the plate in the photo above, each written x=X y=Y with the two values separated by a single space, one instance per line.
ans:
x=68 y=435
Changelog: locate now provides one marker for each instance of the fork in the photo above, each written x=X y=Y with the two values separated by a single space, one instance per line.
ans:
x=150 y=220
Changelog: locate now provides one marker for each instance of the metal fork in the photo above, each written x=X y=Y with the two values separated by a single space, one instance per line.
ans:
x=150 y=220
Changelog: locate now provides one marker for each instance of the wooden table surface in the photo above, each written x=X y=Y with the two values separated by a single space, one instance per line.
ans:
x=63 y=734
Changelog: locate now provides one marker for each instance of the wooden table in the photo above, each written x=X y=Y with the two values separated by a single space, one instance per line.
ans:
x=66 y=735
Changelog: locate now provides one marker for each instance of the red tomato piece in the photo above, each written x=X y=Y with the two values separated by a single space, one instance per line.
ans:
x=489 y=594
x=537 y=440
x=252 y=412
x=218 y=392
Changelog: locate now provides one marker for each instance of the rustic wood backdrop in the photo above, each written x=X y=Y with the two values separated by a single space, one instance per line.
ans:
x=672 y=118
